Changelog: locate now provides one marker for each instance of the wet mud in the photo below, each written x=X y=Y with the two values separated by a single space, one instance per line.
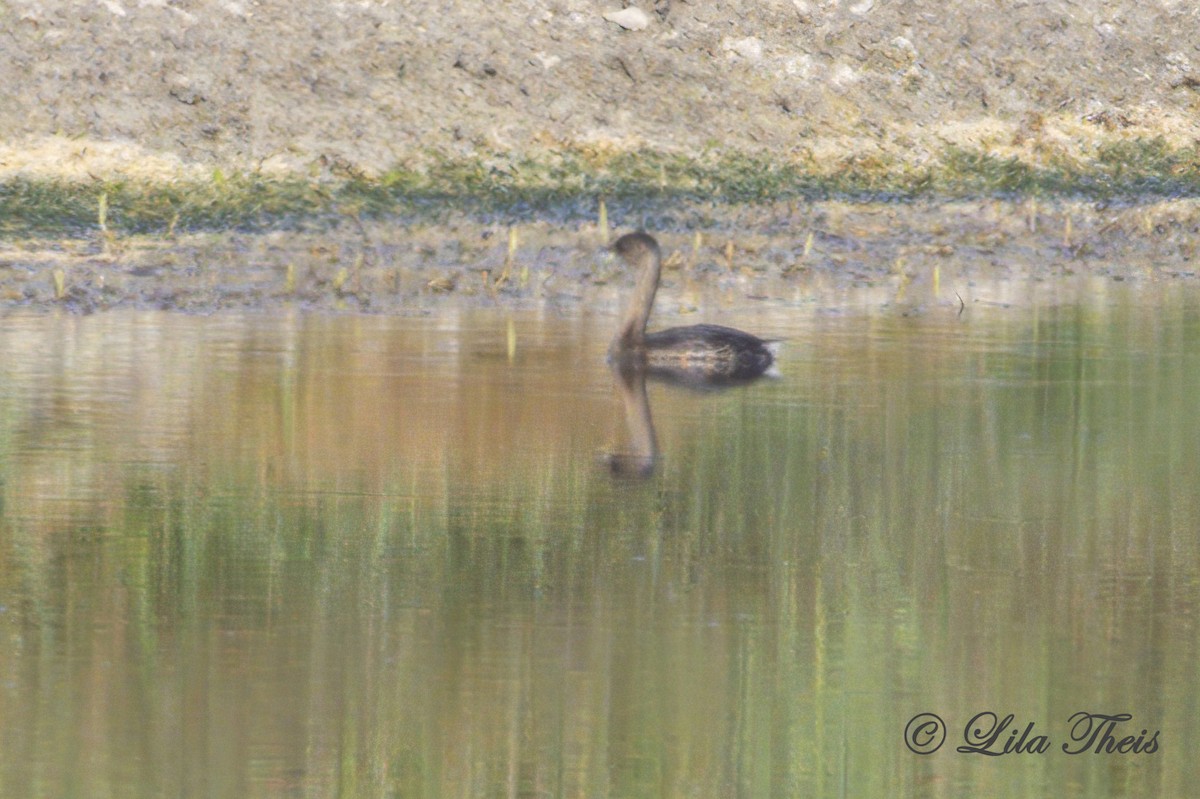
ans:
x=909 y=257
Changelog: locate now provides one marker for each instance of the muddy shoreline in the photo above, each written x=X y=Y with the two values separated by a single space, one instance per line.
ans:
x=904 y=258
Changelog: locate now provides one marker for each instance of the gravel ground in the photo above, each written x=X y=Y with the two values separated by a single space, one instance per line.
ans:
x=168 y=86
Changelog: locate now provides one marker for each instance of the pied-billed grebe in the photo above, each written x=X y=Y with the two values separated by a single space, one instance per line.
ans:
x=709 y=352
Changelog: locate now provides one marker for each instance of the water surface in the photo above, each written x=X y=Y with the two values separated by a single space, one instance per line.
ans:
x=291 y=555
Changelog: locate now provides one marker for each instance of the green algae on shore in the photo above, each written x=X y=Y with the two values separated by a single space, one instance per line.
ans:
x=565 y=184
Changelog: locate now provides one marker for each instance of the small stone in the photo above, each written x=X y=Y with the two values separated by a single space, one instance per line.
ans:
x=631 y=19
x=800 y=66
x=559 y=109
x=185 y=95
x=750 y=48
x=904 y=46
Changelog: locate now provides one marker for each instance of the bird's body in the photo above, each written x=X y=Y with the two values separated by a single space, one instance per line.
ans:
x=711 y=353
x=710 y=349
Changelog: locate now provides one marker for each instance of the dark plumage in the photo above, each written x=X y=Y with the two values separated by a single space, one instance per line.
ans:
x=696 y=353
x=712 y=349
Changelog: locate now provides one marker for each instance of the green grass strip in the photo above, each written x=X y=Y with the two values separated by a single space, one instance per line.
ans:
x=565 y=184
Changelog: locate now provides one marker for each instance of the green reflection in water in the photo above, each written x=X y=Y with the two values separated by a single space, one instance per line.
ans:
x=368 y=557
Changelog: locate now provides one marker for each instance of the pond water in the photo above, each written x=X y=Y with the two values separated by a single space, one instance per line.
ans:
x=290 y=555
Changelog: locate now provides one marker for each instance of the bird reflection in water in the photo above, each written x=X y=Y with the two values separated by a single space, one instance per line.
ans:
x=642 y=455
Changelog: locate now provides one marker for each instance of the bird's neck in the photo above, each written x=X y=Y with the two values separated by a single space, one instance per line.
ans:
x=632 y=332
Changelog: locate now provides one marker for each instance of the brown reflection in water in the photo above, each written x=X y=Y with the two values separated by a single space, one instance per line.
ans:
x=640 y=458
x=335 y=556
x=629 y=382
